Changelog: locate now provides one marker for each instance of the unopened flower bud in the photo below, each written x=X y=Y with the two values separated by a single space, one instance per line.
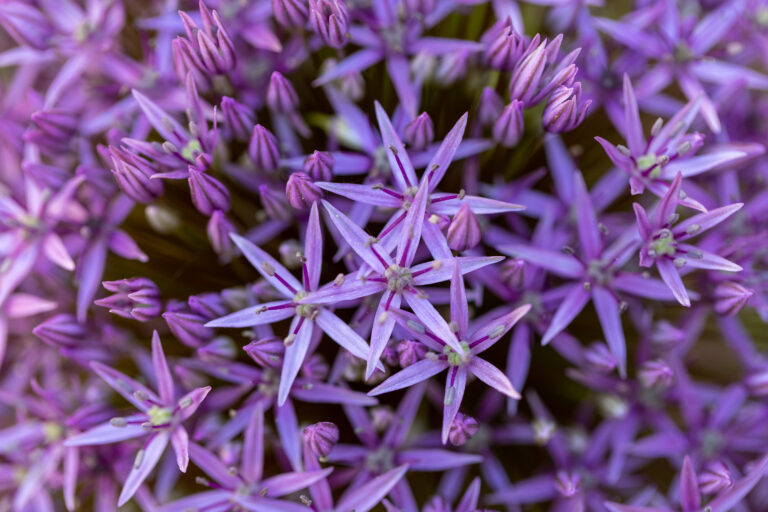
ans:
x=219 y=230
x=509 y=127
x=319 y=166
x=527 y=75
x=330 y=21
x=301 y=191
x=208 y=193
x=420 y=132
x=137 y=298
x=281 y=96
x=505 y=51
x=730 y=297
x=267 y=352
x=564 y=110
x=512 y=271
x=567 y=484
x=464 y=230
x=263 y=149
x=410 y=352
x=189 y=328
x=715 y=477
x=656 y=374
x=290 y=13
x=462 y=429
x=133 y=175
x=320 y=438
x=62 y=330
x=238 y=119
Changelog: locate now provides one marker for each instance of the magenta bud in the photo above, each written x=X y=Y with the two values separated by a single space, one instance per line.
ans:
x=504 y=52
x=389 y=356
x=730 y=297
x=219 y=230
x=207 y=305
x=656 y=374
x=301 y=191
x=509 y=127
x=715 y=477
x=137 y=298
x=564 y=110
x=133 y=175
x=462 y=429
x=319 y=166
x=599 y=358
x=281 y=96
x=189 y=328
x=490 y=107
x=62 y=330
x=665 y=334
x=464 y=230
x=410 y=352
x=238 y=119
x=527 y=75
x=567 y=484
x=215 y=49
x=512 y=271
x=275 y=203
x=420 y=132
x=52 y=130
x=320 y=438
x=330 y=21
x=267 y=352
x=290 y=13
x=757 y=382
x=263 y=149
x=208 y=193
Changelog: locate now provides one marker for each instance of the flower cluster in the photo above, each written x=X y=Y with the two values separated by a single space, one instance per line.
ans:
x=404 y=255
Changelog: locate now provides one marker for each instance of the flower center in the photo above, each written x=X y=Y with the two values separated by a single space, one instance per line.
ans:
x=650 y=163
x=398 y=278
x=380 y=461
x=663 y=244
x=305 y=310
x=159 y=416
x=192 y=150
x=456 y=359
x=599 y=271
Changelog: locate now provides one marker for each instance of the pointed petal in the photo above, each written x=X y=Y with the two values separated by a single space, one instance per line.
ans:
x=492 y=376
x=340 y=332
x=313 y=249
x=704 y=221
x=410 y=375
x=288 y=483
x=690 y=499
x=571 y=306
x=358 y=61
x=268 y=267
x=145 y=462
x=432 y=320
x=180 y=444
x=90 y=270
x=561 y=264
x=399 y=70
x=383 y=325
x=437 y=460
x=495 y=329
x=399 y=162
x=607 y=308
x=106 y=433
x=162 y=372
x=459 y=305
x=442 y=270
x=253 y=446
x=455 y=384
x=698 y=164
x=288 y=430
x=124 y=385
x=54 y=250
x=707 y=260
x=586 y=220
x=410 y=235
x=361 y=192
x=731 y=497
x=671 y=277
x=633 y=128
x=361 y=242
x=295 y=353
x=368 y=495
x=442 y=159
x=260 y=314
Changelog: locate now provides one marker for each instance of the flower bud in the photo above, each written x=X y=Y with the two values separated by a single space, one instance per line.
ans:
x=267 y=352
x=301 y=191
x=509 y=127
x=62 y=330
x=275 y=203
x=715 y=477
x=219 y=230
x=214 y=51
x=410 y=352
x=207 y=305
x=462 y=429
x=730 y=297
x=281 y=96
x=330 y=21
x=527 y=75
x=26 y=24
x=656 y=374
x=490 y=107
x=504 y=52
x=564 y=110
x=189 y=328
x=137 y=298
x=220 y=347
x=420 y=132
x=263 y=149
x=512 y=272
x=290 y=13
x=599 y=358
x=464 y=230
x=52 y=130
x=133 y=175
x=320 y=438
x=319 y=166
x=208 y=193
x=238 y=119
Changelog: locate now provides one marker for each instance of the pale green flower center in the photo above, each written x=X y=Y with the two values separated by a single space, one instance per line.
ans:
x=192 y=149
x=398 y=278
x=159 y=416
x=664 y=243
x=456 y=359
